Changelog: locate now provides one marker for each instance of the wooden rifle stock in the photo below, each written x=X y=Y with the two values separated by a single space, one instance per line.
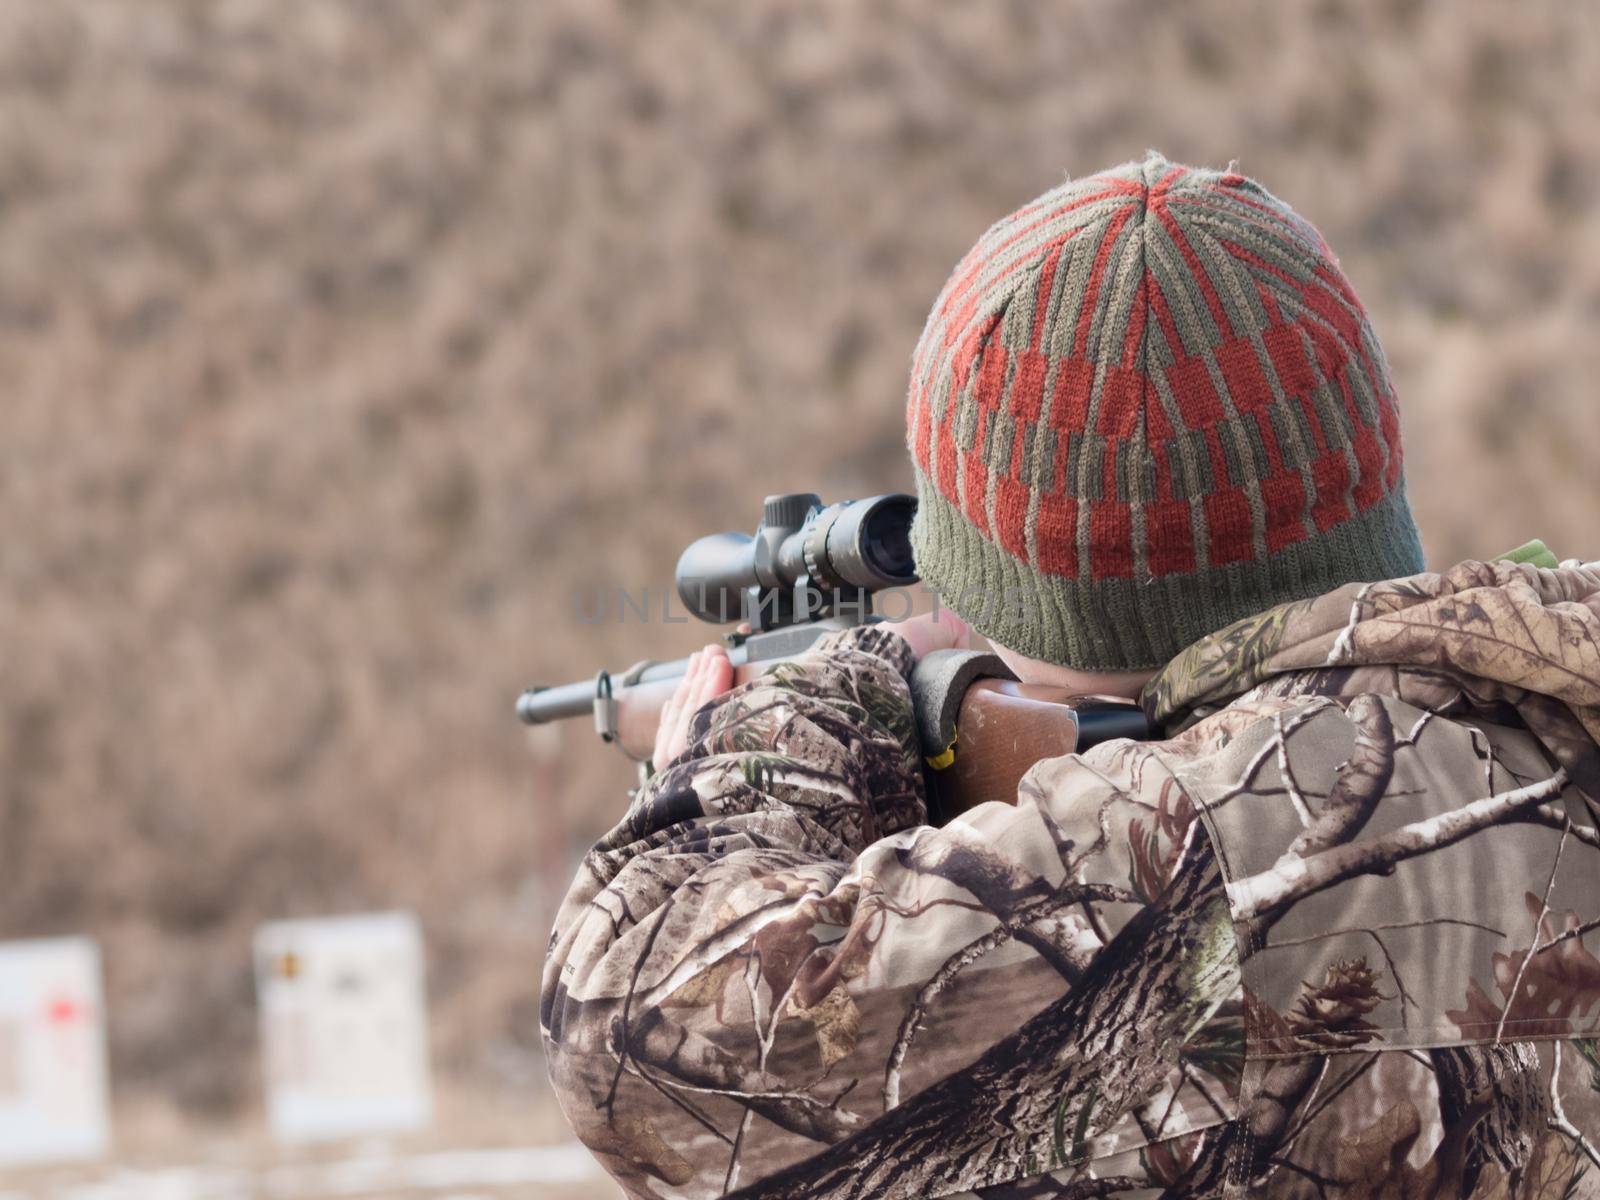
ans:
x=1004 y=728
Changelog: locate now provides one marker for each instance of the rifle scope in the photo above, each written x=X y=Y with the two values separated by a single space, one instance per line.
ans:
x=804 y=561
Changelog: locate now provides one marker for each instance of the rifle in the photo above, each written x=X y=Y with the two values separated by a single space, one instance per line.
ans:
x=811 y=569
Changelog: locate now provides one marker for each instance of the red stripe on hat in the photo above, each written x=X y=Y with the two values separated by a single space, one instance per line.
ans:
x=1121 y=393
x=977 y=481
x=1369 y=487
x=1242 y=375
x=1074 y=384
x=1228 y=526
x=921 y=425
x=1027 y=386
x=990 y=390
x=1324 y=301
x=1331 y=474
x=1057 y=534
x=1169 y=535
x=1110 y=540
x=1284 y=497
x=1288 y=354
x=1011 y=516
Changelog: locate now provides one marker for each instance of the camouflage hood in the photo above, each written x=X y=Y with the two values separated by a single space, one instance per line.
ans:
x=1487 y=639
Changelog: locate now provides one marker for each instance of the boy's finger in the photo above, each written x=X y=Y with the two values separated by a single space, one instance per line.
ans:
x=706 y=687
x=720 y=671
x=675 y=702
x=670 y=729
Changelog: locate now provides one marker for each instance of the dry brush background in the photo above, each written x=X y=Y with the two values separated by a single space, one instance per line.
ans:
x=342 y=343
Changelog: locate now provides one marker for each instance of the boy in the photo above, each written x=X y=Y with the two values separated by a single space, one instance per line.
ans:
x=1327 y=938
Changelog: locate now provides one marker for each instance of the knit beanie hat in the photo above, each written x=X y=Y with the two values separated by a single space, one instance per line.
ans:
x=1144 y=406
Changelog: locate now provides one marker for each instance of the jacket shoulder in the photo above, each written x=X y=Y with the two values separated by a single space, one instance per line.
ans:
x=1410 y=862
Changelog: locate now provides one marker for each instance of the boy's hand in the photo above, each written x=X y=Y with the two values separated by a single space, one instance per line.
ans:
x=710 y=674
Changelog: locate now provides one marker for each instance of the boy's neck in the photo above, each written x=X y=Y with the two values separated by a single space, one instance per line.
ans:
x=1126 y=684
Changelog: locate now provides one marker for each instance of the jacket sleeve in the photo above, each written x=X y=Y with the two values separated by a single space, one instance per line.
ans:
x=772 y=949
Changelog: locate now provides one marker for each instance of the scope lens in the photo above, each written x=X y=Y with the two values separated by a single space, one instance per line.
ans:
x=886 y=538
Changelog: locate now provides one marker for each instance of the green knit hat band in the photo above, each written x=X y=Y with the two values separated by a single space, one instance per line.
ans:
x=1127 y=624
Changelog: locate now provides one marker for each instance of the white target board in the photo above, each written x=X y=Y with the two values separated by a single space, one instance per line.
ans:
x=344 y=1026
x=52 y=1052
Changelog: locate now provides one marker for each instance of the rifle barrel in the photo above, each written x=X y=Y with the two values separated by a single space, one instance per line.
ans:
x=540 y=705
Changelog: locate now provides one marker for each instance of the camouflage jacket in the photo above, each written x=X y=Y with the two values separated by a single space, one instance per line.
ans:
x=1333 y=937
